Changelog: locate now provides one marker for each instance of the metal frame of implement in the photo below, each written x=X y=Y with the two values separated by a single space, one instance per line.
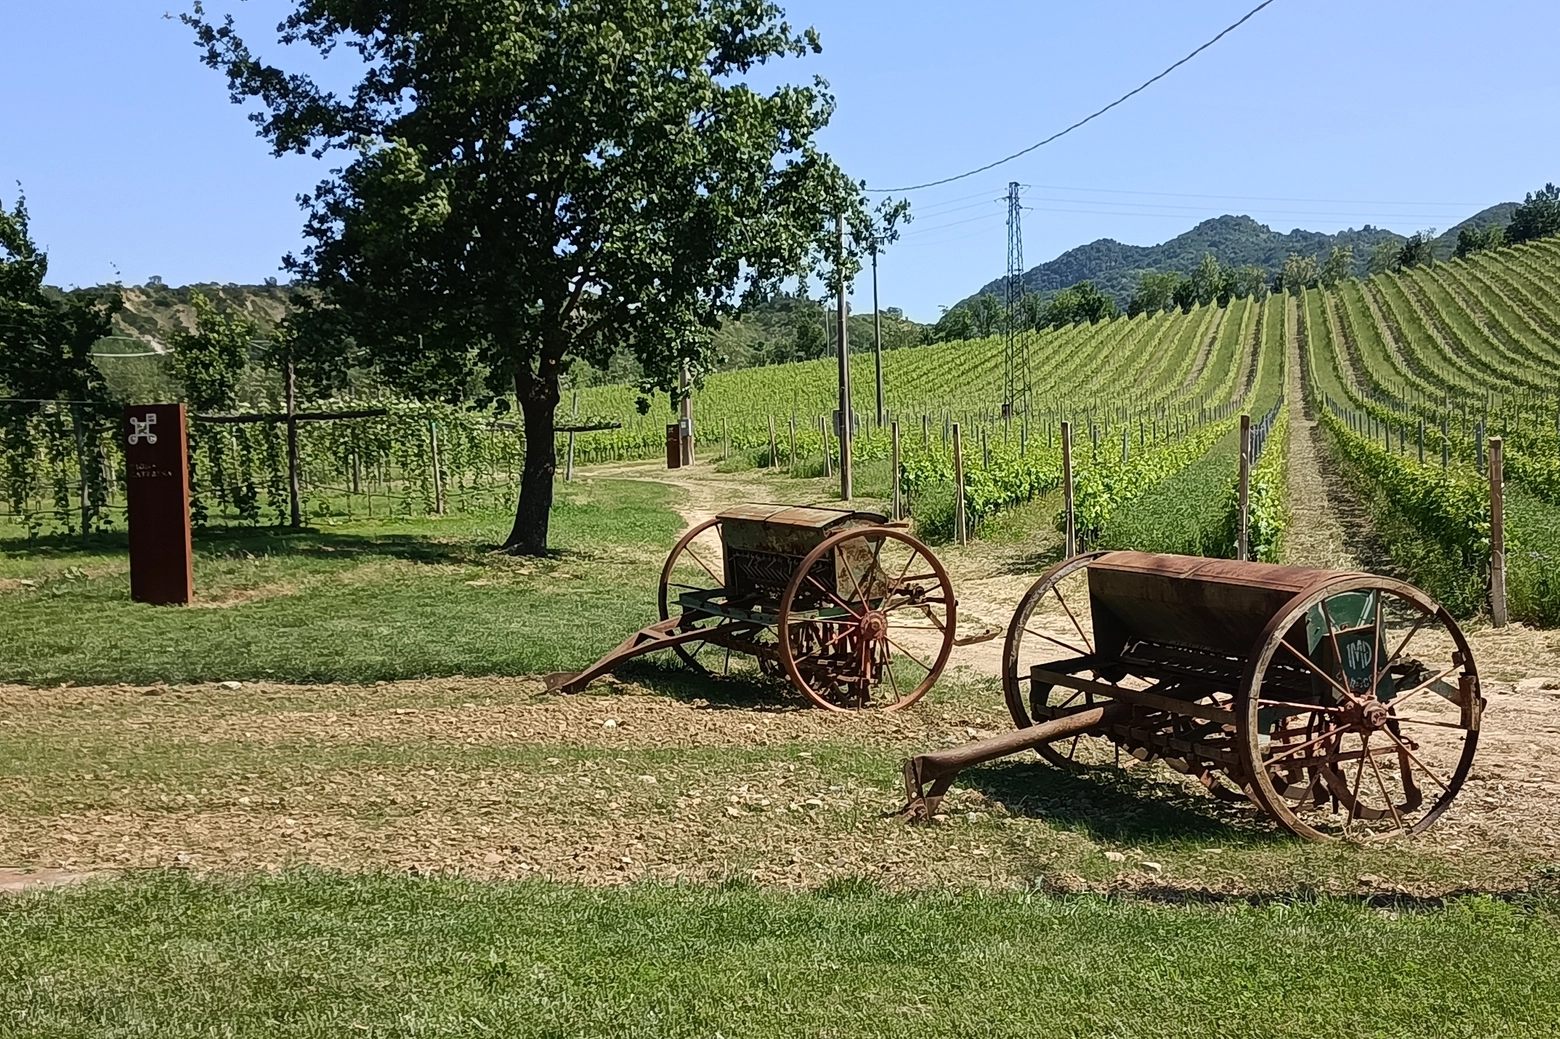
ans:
x=1344 y=705
x=852 y=610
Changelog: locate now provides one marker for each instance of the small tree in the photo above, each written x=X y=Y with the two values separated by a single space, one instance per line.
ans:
x=1418 y=250
x=1155 y=292
x=1338 y=266
x=1299 y=273
x=1471 y=240
x=1537 y=217
x=534 y=182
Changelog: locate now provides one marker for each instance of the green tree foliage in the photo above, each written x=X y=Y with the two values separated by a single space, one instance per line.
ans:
x=1471 y=240
x=1537 y=217
x=1384 y=256
x=534 y=182
x=1417 y=250
x=1338 y=266
x=1248 y=281
x=1155 y=292
x=209 y=362
x=1299 y=273
x=1073 y=306
x=1208 y=282
x=46 y=338
x=46 y=368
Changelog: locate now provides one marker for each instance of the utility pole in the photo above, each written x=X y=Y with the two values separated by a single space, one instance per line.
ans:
x=1015 y=390
x=685 y=415
x=844 y=354
x=877 y=335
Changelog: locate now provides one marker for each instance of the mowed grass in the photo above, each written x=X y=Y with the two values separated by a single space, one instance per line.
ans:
x=357 y=602
x=319 y=954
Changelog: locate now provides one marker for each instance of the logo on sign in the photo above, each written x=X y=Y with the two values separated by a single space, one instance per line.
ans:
x=1359 y=655
x=141 y=429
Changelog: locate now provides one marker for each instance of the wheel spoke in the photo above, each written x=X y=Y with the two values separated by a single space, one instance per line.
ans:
x=1074 y=619
x=1314 y=708
x=837 y=601
x=1292 y=751
x=888 y=665
x=1332 y=635
x=891 y=641
x=1397 y=701
x=1065 y=645
x=1308 y=663
x=1420 y=623
x=1359 y=769
x=1426 y=721
x=713 y=575
x=1382 y=785
x=1415 y=758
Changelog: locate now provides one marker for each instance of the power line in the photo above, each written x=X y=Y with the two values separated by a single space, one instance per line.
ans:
x=1251 y=198
x=1092 y=115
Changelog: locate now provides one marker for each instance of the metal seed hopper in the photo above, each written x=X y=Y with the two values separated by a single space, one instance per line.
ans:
x=1342 y=704
x=854 y=611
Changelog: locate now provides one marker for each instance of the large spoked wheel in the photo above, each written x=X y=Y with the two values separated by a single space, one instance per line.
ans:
x=1052 y=624
x=1359 y=716
x=866 y=621
x=694 y=571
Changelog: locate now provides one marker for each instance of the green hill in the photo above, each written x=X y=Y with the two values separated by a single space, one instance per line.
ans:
x=1234 y=240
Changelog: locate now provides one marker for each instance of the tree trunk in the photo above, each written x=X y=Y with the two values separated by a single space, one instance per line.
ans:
x=537 y=394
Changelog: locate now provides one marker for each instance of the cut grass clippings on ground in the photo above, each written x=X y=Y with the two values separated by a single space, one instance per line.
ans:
x=361 y=601
x=316 y=954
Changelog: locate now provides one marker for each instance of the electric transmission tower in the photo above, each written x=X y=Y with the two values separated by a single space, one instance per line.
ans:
x=1015 y=389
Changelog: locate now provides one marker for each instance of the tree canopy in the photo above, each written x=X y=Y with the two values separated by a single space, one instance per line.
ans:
x=1537 y=217
x=533 y=182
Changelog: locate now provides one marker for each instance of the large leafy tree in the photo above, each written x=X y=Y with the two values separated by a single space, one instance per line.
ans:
x=46 y=368
x=535 y=182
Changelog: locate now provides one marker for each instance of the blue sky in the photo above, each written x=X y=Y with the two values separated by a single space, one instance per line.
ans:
x=1323 y=114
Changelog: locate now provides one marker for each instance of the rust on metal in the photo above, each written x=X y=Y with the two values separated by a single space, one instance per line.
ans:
x=852 y=610
x=1321 y=696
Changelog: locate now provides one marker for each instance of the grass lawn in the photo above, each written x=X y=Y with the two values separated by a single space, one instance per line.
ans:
x=318 y=954
x=357 y=602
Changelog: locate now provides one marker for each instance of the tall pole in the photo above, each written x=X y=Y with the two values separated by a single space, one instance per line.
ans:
x=685 y=415
x=293 y=492
x=877 y=338
x=1498 y=612
x=844 y=350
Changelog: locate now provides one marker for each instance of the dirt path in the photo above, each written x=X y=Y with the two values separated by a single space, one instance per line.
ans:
x=1328 y=527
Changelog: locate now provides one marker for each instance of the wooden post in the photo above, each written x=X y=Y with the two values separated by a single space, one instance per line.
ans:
x=897 y=512
x=1421 y=440
x=1125 y=445
x=81 y=469
x=842 y=328
x=438 y=477
x=773 y=461
x=823 y=427
x=1497 y=533
x=1023 y=436
x=1243 y=521
x=725 y=436
x=926 y=432
x=157 y=503
x=960 y=532
x=568 y=467
x=1070 y=542
x=793 y=444
x=985 y=449
x=296 y=506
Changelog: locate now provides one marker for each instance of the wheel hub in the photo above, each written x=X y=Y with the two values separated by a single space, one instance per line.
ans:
x=874 y=625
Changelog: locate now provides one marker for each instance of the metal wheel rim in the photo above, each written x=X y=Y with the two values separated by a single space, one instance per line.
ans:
x=784 y=616
x=1013 y=684
x=1258 y=780
x=688 y=656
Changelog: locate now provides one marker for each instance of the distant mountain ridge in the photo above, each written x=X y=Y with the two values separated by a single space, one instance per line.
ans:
x=1234 y=240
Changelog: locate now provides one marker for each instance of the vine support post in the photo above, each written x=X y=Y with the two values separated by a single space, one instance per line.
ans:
x=960 y=531
x=897 y=511
x=81 y=470
x=295 y=504
x=772 y=460
x=793 y=445
x=568 y=465
x=1071 y=516
x=725 y=437
x=926 y=432
x=842 y=329
x=823 y=429
x=1243 y=523
x=1497 y=533
x=438 y=477
x=1421 y=440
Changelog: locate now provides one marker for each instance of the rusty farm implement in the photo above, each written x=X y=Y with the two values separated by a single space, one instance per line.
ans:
x=853 y=611
x=1343 y=705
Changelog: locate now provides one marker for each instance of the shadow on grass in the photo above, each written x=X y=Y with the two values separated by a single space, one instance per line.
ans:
x=744 y=689
x=1110 y=804
x=304 y=542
